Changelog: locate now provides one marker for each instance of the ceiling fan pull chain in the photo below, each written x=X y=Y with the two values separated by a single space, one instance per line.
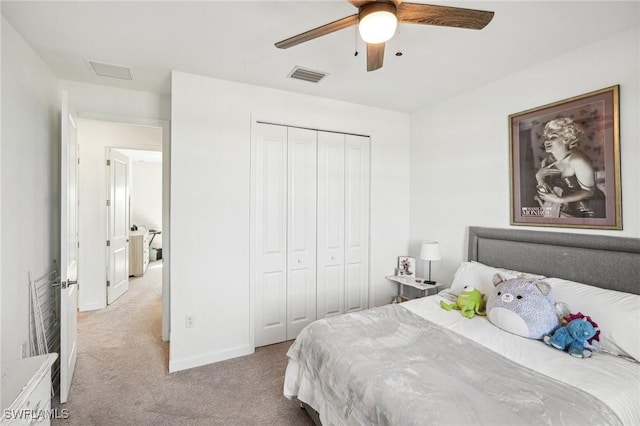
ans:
x=399 y=51
x=355 y=40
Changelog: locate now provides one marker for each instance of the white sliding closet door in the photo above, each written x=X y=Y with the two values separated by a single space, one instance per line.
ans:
x=301 y=227
x=311 y=228
x=356 y=223
x=270 y=261
x=331 y=215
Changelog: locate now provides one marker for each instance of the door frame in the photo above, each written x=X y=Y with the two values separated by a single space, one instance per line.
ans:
x=166 y=203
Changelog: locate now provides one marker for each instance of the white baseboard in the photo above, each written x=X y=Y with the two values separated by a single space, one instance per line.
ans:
x=91 y=307
x=209 y=358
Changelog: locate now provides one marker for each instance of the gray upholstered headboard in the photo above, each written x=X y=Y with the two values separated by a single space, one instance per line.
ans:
x=602 y=261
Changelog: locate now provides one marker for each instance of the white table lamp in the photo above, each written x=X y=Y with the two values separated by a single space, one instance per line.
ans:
x=430 y=251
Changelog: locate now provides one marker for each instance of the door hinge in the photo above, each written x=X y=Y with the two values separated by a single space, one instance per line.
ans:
x=78 y=244
x=108 y=283
x=108 y=162
x=108 y=243
x=78 y=161
x=108 y=203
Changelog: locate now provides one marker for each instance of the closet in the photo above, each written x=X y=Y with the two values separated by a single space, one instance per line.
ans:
x=311 y=228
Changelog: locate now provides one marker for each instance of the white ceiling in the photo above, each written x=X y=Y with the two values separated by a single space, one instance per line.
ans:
x=233 y=40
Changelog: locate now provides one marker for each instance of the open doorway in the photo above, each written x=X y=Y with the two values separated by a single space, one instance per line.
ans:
x=144 y=209
x=139 y=186
x=144 y=141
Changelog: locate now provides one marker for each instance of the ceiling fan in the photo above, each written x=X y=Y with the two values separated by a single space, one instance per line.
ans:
x=377 y=22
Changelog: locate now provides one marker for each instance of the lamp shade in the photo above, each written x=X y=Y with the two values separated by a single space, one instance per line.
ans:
x=378 y=22
x=430 y=250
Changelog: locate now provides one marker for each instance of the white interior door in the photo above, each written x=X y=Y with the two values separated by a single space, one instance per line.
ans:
x=118 y=227
x=270 y=251
x=301 y=229
x=330 y=292
x=68 y=248
x=356 y=223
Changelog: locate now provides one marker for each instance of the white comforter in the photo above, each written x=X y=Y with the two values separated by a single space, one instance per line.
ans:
x=613 y=381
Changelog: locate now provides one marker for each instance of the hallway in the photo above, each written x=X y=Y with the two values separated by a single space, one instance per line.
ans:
x=108 y=342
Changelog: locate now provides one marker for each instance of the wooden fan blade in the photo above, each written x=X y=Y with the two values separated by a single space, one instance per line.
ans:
x=446 y=16
x=360 y=3
x=375 y=56
x=318 y=32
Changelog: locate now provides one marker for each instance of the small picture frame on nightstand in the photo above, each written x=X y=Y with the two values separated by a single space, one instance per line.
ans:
x=406 y=266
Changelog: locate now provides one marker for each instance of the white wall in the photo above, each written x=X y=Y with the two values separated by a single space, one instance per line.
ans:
x=146 y=197
x=94 y=137
x=460 y=147
x=29 y=177
x=116 y=104
x=210 y=184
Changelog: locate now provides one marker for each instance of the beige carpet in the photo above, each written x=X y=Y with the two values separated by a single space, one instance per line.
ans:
x=121 y=377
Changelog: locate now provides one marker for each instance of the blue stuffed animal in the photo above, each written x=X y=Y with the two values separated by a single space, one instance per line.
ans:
x=572 y=337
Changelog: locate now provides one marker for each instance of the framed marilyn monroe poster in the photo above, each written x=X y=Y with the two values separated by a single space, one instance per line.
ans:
x=565 y=163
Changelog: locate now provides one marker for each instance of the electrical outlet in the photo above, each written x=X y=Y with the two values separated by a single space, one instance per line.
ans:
x=23 y=349
x=189 y=321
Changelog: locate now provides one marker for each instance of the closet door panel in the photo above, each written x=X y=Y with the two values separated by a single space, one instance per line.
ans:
x=271 y=235
x=301 y=230
x=331 y=297
x=354 y=286
x=357 y=222
x=331 y=199
x=298 y=291
x=273 y=303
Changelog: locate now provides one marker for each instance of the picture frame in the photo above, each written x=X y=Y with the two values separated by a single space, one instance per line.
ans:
x=407 y=266
x=581 y=188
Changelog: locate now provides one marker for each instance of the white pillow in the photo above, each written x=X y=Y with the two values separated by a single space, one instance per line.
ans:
x=483 y=277
x=508 y=274
x=616 y=313
x=476 y=274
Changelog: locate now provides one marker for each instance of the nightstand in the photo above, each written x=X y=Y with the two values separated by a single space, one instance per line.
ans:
x=414 y=289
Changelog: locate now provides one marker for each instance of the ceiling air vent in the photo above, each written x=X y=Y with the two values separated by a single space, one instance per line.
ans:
x=305 y=74
x=109 y=70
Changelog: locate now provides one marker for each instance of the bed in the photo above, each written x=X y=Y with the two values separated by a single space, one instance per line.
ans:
x=417 y=364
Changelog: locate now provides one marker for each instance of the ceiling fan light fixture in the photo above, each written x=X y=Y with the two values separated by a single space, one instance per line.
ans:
x=378 y=22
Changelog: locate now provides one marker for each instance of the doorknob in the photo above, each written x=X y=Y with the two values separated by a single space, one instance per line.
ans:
x=67 y=283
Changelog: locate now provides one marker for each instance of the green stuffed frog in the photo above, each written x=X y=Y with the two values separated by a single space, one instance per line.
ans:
x=469 y=302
